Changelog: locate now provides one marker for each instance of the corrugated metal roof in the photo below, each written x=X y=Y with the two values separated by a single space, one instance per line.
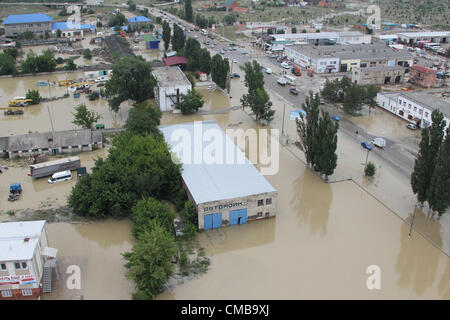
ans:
x=12 y=236
x=70 y=26
x=139 y=19
x=215 y=181
x=27 y=18
x=172 y=61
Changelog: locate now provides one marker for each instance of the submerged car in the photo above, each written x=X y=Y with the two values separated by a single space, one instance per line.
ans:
x=366 y=145
x=411 y=126
x=268 y=71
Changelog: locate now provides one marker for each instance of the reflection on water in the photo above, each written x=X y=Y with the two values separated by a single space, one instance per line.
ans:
x=96 y=248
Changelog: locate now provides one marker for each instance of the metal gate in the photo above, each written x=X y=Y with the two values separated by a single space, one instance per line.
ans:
x=238 y=216
x=212 y=221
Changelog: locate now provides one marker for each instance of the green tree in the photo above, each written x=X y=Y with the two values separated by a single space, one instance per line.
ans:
x=166 y=34
x=354 y=98
x=136 y=167
x=70 y=65
x=325 y=145
x=42 y=63
x=261 y=106
x=307 y=127
x=370 y=169
x=58 y=33
x=144 y=118
x=191 y=102
x=439 y=190
x=117 y=20
x=188 y=11
x=148 y=209
x=34 y=96
x=219 y=70
x=229 y=19
x=178 y=38
x=190 y=213
x=294 y=30
x=131 y=79
x=192 y=51
x=254 y=78
x=191 y=79
x=371 y=95
x=87 y=54
x=149 y=261
x=84 y=117
x=13 y=52
x=205 y=61
x=330 y=92
x=7 y=65
x=426 y=159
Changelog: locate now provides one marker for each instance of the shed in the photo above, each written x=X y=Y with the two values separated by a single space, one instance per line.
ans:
x=150 y=41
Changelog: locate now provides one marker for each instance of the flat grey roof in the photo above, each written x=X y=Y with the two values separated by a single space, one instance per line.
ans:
x=60 y=139
x=216 y=181
x=422 y=34
x=170 y=77
x=432 y=102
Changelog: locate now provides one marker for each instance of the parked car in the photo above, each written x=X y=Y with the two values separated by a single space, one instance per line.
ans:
x=366 y=145
x=335 y=118
x=294 y=91
x=281 y=81
x=284 y=65
x=234 y=75
x=222 y=52
x=411 y=126
x=268 y=71
x=379 y=142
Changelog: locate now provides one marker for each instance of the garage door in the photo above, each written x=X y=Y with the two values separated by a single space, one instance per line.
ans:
x=212 y=221
x=238 y=216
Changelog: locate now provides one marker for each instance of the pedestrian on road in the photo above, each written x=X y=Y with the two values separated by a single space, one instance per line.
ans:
x=356 y=132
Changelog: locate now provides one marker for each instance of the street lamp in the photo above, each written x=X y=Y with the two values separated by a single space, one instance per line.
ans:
x=412 y=222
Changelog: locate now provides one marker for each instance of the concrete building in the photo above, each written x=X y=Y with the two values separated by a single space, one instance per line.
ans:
x=415 y=107
x=72 y=30
x=16 y=24
x=172 y=83
x=26 y=260
x=423 y=76
x=378 y=75
x=51 y=142
x=226 y=191
x=411 y=38
x=96 y=71
x=318 y=38
x=310 y=57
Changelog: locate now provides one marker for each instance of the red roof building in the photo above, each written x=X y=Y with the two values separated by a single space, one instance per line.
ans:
x=423 y=76
x=175 y=61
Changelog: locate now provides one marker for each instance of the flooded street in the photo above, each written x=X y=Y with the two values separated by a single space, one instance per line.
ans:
x=96 y=248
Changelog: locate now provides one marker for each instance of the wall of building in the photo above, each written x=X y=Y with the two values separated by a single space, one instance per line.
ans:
x=61 y=150
x=254 y=212
x=362 y=76
x=320 y=65
x=426 y=80
x=348 y=65
x=164 y=93
x=12 y=30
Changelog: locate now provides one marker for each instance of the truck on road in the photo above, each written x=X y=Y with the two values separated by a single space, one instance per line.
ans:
x=48 y=168
x=282 y=81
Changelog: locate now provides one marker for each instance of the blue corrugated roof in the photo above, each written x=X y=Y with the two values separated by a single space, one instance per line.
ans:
x=70 y=26
x=139 y=19
x=27 y=18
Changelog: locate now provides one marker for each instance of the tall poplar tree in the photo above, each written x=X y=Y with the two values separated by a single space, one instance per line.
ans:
x=307 y=126
x=166 y=34
x=439 y=191
x=325 y=145
x=427 y=157
x=188 y=10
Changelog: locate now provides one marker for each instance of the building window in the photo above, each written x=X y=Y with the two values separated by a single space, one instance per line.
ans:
x=267 y=214
x=268 y=201
x=6 y=293
x=20 y=265
x=259 y=214
x=260 y=203
x=426 y=114
x=27 y=292
x=400 y=101
x=415 y=109
x=409 y=106
x=420 y=111
x=3 y=266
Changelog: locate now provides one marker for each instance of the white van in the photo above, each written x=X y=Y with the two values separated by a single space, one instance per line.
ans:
x=60 y=176
x=289 y=79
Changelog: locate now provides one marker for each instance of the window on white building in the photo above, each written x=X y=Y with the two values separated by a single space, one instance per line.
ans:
x=27 y=292
x=6 y=293
x=268 y=201
x=415 y=109
x=3 y=267
x=259 y=214
x=426 y=114
x=420 y=111
x=409 y=106
x=20 y=265
x=260 y=203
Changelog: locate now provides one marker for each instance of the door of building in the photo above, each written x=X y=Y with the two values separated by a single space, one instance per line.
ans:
x=238 y=216
x=212 y=221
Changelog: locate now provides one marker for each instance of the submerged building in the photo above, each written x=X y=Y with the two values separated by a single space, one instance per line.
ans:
x=224 y=192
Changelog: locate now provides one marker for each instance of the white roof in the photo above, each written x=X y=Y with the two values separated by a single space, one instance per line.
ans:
x=214 y=182
x=13 y=246
x=421 y=34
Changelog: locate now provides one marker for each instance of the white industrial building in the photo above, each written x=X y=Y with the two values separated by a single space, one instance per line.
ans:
x=415 y=107
x=226 y=191
x=411 y=38
x=347 y=37
x=172 y=83
x=26 y=261
x=311 y=58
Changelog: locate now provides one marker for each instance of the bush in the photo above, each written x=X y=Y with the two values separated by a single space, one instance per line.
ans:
x=34 y=95
x=190 y=213
x=370 y=169
x=147 y=210
x=87 y=53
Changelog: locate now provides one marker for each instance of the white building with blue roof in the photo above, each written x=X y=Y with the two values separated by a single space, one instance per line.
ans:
x=16 y=24
x=72 y=30
x=224 y=192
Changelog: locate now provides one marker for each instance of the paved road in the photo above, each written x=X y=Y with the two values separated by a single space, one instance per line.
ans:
x=397 y=152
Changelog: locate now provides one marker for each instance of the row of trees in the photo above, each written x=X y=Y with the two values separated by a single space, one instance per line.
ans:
x=8 y=61
x=43 y=63
x=257 y=98
x=353 y=96
x=318 y=136
x=430 y=180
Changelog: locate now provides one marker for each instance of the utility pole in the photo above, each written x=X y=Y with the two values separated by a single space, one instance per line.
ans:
x=412 y=222
x=282 y=127
x=367 y=157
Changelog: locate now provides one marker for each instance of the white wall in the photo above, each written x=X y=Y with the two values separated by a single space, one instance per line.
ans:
x=165 y=103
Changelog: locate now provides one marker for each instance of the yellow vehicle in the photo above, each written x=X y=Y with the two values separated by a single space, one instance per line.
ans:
x=20 y=102
x=65 y=83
